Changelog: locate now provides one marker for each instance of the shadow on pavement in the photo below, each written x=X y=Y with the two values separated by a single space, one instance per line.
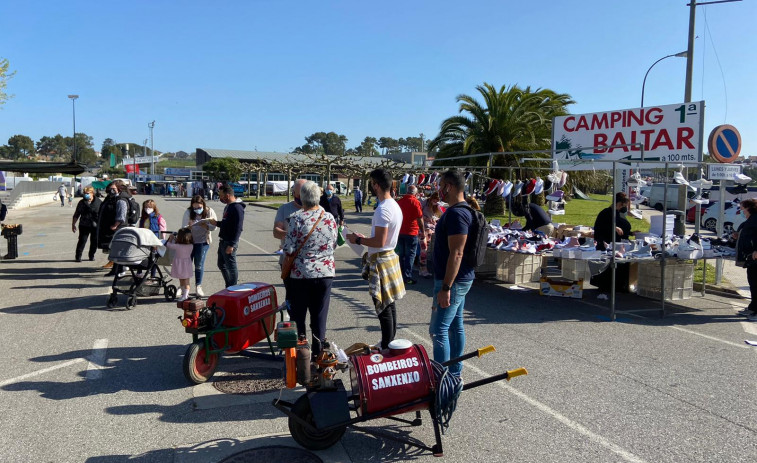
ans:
x=137 y=369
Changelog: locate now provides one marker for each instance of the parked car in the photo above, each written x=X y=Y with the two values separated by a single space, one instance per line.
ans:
x=690 y=212
x=732 y=217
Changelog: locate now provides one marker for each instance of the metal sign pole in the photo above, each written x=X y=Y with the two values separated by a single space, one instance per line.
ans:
x=664 y=238
x=612 y=248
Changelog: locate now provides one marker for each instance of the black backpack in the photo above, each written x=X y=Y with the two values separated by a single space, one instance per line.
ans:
x=478 y=235
x=133 y=210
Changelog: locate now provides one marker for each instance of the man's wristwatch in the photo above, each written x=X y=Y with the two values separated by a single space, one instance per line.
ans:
x=446 y=287
x=358 y=240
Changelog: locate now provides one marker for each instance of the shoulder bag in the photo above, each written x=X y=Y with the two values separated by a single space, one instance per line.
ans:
x=286 y=266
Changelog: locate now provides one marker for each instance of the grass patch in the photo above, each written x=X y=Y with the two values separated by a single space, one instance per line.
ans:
x=582 y=212
x=698 y=273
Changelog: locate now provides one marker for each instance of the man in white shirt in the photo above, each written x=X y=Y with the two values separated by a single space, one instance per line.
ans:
x=385 y=277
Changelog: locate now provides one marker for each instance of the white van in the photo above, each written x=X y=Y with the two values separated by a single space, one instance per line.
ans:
x=657 y=196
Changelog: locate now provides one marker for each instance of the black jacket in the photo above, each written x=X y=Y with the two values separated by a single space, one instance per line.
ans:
x=603 y=227
x=232 y=223
x=535 y=217
x=747 y=242
x=334 y=206
x=88 y=213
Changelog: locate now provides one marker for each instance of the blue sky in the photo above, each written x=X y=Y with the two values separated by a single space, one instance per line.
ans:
x=265 y=74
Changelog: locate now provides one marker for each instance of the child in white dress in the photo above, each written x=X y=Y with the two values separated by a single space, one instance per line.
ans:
x=181 y=266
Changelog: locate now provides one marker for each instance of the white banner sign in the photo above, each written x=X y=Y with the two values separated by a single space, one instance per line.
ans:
x=671 y=133
x=722 y=171
x=141 y=160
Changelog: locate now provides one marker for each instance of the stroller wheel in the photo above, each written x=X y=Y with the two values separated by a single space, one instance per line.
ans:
x=170 y=292
x=112 y=300
x=131 y=302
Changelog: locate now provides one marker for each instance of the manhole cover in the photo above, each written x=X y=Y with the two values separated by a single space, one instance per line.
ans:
x=273 y=453
x=253 y=381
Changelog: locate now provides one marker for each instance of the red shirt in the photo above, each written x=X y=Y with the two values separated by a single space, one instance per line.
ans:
x=411 y=212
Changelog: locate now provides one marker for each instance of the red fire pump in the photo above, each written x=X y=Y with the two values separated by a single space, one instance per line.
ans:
x=383 y=383
x=229 y=322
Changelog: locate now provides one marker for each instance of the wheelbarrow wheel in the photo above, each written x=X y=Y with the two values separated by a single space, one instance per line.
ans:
x=131 y=302
x=196 y=368
x=112 y=300
x=311 y=440
x=170 y=293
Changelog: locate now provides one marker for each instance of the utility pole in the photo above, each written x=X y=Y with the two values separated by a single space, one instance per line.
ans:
x=151 y=125
x=690 y=50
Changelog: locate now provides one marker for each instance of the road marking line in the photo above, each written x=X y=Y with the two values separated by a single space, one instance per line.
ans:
x=258 y=248
x=596 y=438
x=749 y=327
x=97 y=359
x=740 y=346
x=39 y=372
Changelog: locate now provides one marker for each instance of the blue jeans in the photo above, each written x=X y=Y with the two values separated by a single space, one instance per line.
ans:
x=446 y=328
x=227 y=263
x=406 y=248
x=198 y=257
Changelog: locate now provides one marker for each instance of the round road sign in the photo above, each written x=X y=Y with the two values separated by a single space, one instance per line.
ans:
x=724 y=143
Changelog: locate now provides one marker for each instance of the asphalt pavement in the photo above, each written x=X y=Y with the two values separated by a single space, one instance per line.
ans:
x=82 y=382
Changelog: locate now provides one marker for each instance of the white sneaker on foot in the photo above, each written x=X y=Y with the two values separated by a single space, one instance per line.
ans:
x=199 y=291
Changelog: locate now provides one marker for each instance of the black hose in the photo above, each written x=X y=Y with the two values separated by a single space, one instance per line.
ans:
x=448 y=388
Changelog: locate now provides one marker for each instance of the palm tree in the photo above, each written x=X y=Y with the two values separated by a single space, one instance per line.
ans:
x=509 y=119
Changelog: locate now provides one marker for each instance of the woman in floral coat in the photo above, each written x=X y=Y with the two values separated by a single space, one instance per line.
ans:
x=309 y=284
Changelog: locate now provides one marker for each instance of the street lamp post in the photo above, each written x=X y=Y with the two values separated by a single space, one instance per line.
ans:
x=73 y=103
x=682 y=54
x=151 y=125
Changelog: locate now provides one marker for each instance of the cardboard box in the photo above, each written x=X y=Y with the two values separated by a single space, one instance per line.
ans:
x=559 y=287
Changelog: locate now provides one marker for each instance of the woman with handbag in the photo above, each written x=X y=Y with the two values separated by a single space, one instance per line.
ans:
x=308 y=266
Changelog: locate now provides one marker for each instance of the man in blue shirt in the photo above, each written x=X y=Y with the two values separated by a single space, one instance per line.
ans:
x=358 y=200
x=452 y=277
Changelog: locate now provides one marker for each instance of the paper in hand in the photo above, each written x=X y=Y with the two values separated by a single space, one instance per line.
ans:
x=358 y=248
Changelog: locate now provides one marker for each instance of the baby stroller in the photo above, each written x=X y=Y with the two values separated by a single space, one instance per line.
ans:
x=137 y=250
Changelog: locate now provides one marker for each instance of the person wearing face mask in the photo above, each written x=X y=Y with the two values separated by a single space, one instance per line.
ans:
x=112 y=216
x=197 y=218
x=283 y=213
x=603 y=224
x=431 y=213
x=384 y=275
x=331 y=203
x=87 y=211
x=151 y=218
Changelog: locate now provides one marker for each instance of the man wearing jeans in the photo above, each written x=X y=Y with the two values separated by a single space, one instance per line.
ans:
x=231 y=229
x=412 y=223
x=452 y=277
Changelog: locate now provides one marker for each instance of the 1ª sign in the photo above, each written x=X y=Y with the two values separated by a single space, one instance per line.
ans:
x=724 y=143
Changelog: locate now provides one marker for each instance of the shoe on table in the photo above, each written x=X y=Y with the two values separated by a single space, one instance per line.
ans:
x=199 y=291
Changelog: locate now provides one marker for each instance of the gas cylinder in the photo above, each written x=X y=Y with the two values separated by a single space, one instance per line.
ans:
x=394 y=376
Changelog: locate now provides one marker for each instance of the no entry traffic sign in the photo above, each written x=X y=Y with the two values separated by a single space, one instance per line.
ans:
x=724 y=143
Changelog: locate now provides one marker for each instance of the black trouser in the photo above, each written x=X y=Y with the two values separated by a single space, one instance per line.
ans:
x=388 y=322
x=310 y=295
x=84 y=233
x=751 y=278
x=358 y=206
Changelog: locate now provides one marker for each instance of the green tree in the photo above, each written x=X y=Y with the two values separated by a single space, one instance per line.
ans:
x=223 y=169
x=54 y=147
x=509 y=119
x=21 y=146
x=388 y=144
x=331 y=144
x=85 y=151
x=366 y=148
x=5 y=76
x=107 y=148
